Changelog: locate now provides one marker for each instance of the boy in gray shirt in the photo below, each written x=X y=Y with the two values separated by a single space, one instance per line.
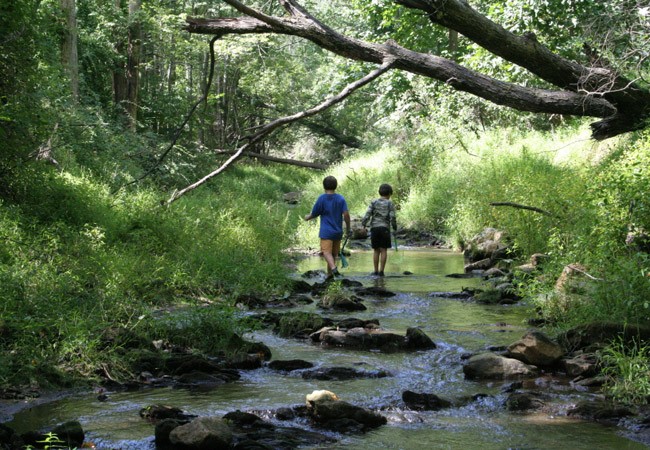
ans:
x=380 y=217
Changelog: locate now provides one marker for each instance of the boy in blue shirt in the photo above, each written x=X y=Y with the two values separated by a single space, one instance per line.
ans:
x=333 y=210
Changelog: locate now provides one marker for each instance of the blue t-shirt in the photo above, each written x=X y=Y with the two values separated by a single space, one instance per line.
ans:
x=330 y=208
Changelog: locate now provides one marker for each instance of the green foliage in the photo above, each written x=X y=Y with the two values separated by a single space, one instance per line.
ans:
x=290 y=324
x=334 y=293
x=207 y=329
x=51 y=440
x=627 y=367
x=106 y=261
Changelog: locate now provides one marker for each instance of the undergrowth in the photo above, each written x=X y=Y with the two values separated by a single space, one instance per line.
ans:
x=76 y=260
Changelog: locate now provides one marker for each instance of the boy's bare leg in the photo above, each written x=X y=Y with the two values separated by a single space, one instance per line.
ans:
x=375 y=259
x=331 y=261
x=383 y=254
x=330 y=251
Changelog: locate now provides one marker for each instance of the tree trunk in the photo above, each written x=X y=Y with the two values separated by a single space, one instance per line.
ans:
x=119 y=70
x=126 y=76
x=453 y=41
x=133 y=62
x=69 y=54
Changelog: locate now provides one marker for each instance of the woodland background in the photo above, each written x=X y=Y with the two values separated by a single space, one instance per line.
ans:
x=109 y=109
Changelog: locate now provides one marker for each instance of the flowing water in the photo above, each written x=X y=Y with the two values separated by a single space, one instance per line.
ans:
x=456 y=326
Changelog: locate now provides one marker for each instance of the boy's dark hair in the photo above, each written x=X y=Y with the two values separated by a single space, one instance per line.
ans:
x=385 y=189
x=330 y=183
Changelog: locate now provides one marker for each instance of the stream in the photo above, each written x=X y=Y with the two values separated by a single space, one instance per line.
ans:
x=457 y=327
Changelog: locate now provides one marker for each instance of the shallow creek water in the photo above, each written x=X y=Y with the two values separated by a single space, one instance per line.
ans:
x=457 y=327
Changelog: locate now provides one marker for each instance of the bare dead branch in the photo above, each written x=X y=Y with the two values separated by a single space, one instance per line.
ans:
x=282 y=121
x=578 y=269
x=44 y=152
x=292 y=162
x=425 y=64
x=519 y=206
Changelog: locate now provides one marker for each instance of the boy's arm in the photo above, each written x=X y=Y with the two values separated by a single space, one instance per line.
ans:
x=315 y=211
x=366 y=217
x=393 y=216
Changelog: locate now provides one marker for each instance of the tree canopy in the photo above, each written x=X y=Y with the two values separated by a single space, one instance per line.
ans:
x=593 y=88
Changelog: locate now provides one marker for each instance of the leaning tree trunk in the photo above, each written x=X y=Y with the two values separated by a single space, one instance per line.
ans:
x=583 y=91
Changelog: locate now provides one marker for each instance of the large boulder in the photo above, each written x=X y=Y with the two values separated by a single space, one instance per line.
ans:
x=155 y=413
x=290 y=365
x=343 y=416
x=416 y=339
x=535 y=348
x=574 y=280
x=598 y=333
x=488 y=244
x=423 y=401
x=581 y=365
x=481 y=265
x=599 y=410
x=342 y=304
x=292 y=198
x=9 y=438
x=491 y=366
x=524 y=401
x=204 y=433
x=373 y=339
x=69 y=434
x=342 y=373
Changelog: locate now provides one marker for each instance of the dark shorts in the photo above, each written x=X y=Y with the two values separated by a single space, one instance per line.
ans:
x=380 y=237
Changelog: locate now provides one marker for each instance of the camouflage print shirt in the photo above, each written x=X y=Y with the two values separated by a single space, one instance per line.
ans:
x=380 y=213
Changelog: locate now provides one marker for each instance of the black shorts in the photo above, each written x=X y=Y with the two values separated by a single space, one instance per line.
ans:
x=380 y=237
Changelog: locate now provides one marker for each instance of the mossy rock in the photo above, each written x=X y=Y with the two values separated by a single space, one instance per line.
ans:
x=488 y=297
x=300 y=323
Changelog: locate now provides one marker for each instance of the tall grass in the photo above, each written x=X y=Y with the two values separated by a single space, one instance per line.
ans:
x=591 y=195
x=627 y=367
x=76 y=261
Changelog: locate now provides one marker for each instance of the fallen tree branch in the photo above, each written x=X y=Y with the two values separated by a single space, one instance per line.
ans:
x=519 y=206
x=180 y=129
x=292 y=162
x=282 y=121
x=578 y=269
x=621 y=104
x=44 y=152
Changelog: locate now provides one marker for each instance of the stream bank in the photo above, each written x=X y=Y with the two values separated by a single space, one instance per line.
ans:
x=476 y=414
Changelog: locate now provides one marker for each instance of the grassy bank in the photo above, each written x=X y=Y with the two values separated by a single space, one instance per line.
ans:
x=588 y=196
x=76 y=261
x=591 y=209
